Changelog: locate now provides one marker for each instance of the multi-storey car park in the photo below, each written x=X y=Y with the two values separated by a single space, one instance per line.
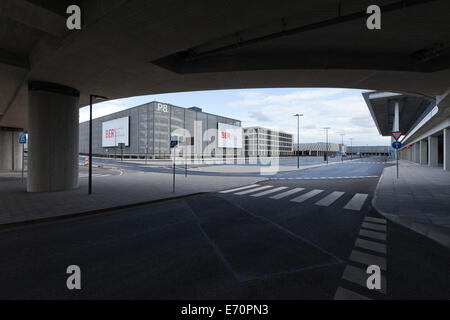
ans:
x=146 y=131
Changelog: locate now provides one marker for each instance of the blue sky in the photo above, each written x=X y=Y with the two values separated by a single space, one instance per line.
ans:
x=344 y=110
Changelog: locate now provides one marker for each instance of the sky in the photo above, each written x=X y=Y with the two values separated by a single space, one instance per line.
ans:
x=343 y=110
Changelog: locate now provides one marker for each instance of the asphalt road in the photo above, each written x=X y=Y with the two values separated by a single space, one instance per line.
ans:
x=282 y=239
x=180 y=168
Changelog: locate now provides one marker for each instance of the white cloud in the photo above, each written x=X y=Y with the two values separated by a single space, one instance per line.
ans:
x=102 y=109
x=257 y=97
x=343 y=110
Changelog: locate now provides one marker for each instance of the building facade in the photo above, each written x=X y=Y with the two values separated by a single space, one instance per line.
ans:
x=265 y=142
x=369 y=150
x=146 y=131
x=318 y=148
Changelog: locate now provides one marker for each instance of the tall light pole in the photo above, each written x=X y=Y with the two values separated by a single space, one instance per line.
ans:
x=326 y=130
x=91 y=97
x=342 y=147
x=351 y=148
x=298 y=115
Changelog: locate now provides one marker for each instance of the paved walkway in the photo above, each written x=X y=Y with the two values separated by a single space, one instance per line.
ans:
x=109 y=191
x=419 y=199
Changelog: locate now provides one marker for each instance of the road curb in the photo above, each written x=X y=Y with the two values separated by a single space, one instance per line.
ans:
x=91 y=212
x=279 y=172
x=428 y=230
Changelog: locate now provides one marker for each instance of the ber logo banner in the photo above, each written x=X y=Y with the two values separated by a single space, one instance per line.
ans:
x=115 y=131
x=229 y=136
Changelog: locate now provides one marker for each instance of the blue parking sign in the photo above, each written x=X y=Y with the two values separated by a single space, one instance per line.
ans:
x=22 y=138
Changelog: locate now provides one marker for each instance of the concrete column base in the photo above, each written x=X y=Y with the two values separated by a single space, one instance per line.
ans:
x=446 y=149
x=423 y=152
x=53 y=137
x=433 y=154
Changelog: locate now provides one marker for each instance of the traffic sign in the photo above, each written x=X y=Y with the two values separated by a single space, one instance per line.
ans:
x=396 y=145
x=22 y=138
x=173 y=141
x=396 y=134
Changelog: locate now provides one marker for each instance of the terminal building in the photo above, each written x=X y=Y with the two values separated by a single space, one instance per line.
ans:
x=425 y=127
x=146 y=131
x=369 y=150
x=264 y=142
x=318 y=149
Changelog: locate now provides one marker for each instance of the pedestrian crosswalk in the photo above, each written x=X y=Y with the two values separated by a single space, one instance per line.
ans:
x=369 y=252
x=300 y=195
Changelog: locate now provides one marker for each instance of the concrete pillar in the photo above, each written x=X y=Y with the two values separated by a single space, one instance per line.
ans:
x=423 y=152
x=446 y=149
x=396 y=123
x=53 y=116
x=433 y=151
x=417 y=152
x=10 y=149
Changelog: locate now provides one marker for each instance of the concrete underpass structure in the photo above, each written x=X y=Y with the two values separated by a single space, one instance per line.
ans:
x=130 y=48
x=424 y=122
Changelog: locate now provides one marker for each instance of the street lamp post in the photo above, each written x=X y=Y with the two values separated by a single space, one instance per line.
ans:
x=326 y=130
x=351 y=147
x=91 y=97
x=298 y=115
x=342 y=147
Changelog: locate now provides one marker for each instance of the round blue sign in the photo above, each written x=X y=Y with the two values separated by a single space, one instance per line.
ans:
x=396 y=145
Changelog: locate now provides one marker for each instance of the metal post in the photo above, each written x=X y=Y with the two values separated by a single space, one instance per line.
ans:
x=351 y=147
x=12 y=150
x=326 y=130
x=397 y=163
x=298 y=142
x=92 y=96
x=298 y=115
x=173 y=185
x=342 y=147
x=90 y=145
x=23 y=158
x=185 y=157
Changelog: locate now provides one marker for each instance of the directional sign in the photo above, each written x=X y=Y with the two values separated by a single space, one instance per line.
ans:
x=173 y=141
x=396 y=145
x=396 y=134
x=22 y=138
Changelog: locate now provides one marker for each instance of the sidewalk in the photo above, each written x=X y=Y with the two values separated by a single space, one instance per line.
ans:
x=418 y=200
x=17 y=206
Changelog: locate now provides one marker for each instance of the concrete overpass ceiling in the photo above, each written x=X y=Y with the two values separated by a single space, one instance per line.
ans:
x=382 y=109
x=129 y=48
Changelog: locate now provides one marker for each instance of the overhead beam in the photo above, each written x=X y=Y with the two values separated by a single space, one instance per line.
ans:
x=14 y=59
x=34 y=16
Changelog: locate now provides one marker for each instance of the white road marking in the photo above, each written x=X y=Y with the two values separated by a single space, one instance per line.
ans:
x=374 y=226
x=376 y=220
x=329 y=199
x=370 y=245
x=368 y=259
x=287 y=193
x=268 y=192
x=372 y=234
x=306 y=196
x=356 y=202
x=241 y=188
x=344 y=294
x=359 y=276
x=252 y=190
